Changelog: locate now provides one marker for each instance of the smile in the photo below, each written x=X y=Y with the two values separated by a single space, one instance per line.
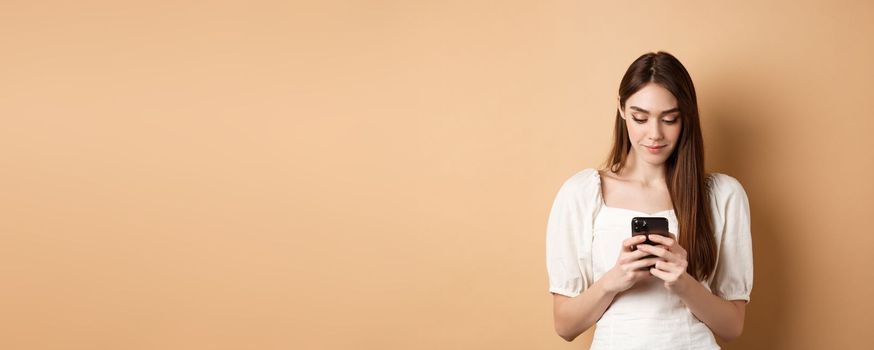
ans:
x=655 y=149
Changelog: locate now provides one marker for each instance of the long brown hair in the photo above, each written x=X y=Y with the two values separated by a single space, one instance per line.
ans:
x=684 y=168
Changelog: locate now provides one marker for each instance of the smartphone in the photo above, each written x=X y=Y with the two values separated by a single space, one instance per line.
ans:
x=649 y=225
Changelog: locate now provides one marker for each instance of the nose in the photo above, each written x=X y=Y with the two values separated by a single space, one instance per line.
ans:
x=655 y=131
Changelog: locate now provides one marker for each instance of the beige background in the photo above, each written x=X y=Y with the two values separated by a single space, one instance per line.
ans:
x=378 y=174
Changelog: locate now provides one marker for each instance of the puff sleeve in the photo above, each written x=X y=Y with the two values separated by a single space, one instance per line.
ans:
x=563 y=241
x=733 y=277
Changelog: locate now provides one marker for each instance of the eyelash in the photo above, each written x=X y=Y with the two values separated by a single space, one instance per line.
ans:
x=642 y=121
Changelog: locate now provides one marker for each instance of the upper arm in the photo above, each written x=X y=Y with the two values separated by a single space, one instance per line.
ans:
x=741 y=306
x=733 y=276
x=563 y=239
x=557 y=301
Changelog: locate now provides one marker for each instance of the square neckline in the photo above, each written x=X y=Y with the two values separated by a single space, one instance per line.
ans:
x=604 y=203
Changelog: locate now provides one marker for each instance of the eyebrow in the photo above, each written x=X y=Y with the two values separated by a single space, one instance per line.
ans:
x=636 y=108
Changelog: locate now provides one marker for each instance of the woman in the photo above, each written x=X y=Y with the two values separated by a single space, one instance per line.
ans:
x=699 y=280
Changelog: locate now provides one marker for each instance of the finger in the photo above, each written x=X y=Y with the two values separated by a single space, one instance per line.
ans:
x=672 y=257
x=627 y=257
x=675 y=249
x=628 y=244
x=657 y=251
x=664 y=266
x=638 y=264
x=679 y=250
x=670 y=267
x=674 y=253
x=641 y=274
x=667 y=241
x=632 y=255
x=631 y=241
x=659 y=273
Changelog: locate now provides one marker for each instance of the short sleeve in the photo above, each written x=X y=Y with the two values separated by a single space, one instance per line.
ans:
x=733 y=277
x=563 y=241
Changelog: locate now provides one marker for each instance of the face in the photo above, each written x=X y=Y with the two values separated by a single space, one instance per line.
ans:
x=652 y=118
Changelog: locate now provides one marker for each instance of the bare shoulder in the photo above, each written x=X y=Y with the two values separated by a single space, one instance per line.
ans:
x=607 y=173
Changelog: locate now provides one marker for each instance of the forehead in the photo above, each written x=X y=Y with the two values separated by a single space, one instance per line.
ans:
x=652 y=97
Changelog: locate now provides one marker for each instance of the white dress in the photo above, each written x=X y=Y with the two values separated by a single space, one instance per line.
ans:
x=583 y=241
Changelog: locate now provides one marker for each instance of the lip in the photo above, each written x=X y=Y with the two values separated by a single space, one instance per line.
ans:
x=654 y=149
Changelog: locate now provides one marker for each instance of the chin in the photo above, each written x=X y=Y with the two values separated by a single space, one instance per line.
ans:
x=657 y=161
x=654 y=159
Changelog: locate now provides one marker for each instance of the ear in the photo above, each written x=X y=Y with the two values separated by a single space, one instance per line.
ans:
x=619 y=108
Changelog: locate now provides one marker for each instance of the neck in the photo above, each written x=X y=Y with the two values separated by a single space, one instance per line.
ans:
x=639 y=171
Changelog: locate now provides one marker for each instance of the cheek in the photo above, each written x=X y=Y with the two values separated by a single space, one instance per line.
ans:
x=635 y=130
x=674 y=132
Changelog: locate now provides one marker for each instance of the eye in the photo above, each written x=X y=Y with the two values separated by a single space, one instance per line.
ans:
x=639 y=121
x=670 y=121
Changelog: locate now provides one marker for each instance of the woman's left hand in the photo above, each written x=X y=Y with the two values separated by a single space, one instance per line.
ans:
x=672 y=267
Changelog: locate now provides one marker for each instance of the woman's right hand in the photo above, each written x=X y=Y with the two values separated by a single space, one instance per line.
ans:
x=629 y=268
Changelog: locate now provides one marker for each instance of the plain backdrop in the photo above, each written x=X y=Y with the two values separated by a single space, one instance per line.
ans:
x=378 y=174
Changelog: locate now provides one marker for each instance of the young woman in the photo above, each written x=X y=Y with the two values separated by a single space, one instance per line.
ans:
x=699 y=280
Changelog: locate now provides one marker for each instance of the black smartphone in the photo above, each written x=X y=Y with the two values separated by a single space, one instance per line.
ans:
x=649 y=225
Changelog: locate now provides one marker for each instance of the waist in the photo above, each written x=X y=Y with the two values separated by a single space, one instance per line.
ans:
x=647 y=299
x=616 y=332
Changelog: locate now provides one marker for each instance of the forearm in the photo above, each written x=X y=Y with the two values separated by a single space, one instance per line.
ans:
x=723 y=317
x=577 y=314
